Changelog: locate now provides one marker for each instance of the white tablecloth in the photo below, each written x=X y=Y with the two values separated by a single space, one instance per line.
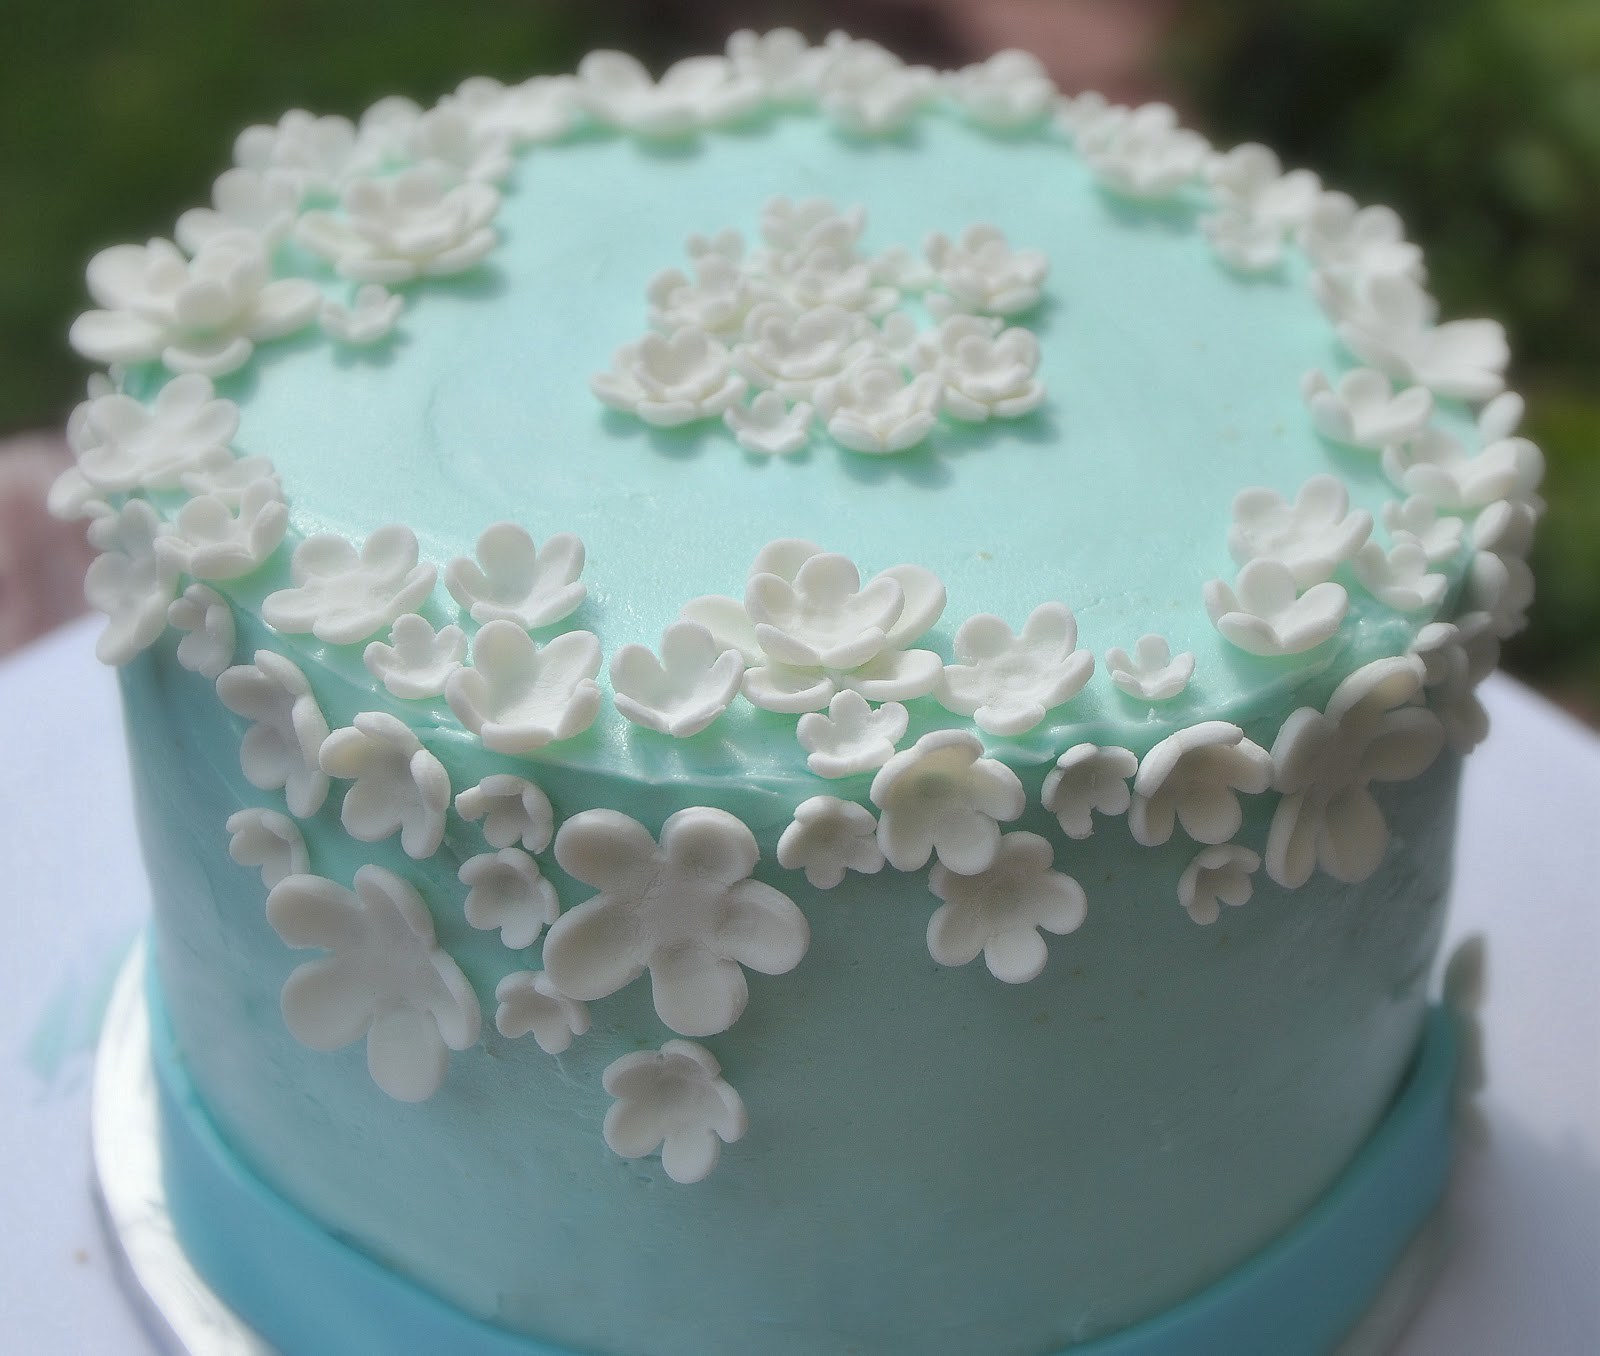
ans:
x=1524 y=1276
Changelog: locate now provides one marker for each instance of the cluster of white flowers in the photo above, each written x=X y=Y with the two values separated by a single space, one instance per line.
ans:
x=1258 y=206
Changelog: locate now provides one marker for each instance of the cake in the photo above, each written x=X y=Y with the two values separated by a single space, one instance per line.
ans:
x=807 y=707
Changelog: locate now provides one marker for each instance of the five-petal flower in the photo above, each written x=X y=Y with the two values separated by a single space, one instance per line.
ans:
x=675 y=1099
x=368 y=318
x=417 y=661
x=513 y=810
x=1364 y=410
x=874 y=408
x=268 y=840
x=1265 y=614
x=130 y=581
x=124 y=445
x=210 y=541
x=1312 y=536
x=828 y=837
x=342 y=596
x=1089 y=778
x=943 y=796
x=506 y=890
x=979 y=271
x=519 y=696
x=983 y=372
x=286 y=731
x=207 y=621
x=769 y=425
x=1142 y=152
x=1007 y=683
x=669 y=380
x=1192 y=776
x=529 y=1002
x=1219 y=874
x=1152 y=673
x=515 y=580
x=399 y=786
x=852 y=737
x=683 y=691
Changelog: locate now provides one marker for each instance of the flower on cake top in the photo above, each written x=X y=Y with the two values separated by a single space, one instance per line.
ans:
x=1007 y=683
x=828 y=837
x=682 y=692
x=421 y=222
x=1364 y=410
x=1418 y=519
x=209 y=541
x=792 y=352
x=399 y=786
x=1500 y=584
x=1399 y=577
x=1142 y=152
x=1264 y=613
x=1001 y=910
x=781 y=62
x=417 y=661
x=529 y=1003
x=286 y=731
x=342 y=595
x=669 y=380
x=983 y=371
x=1152 y=673
x=1086 y=779
x=717 y=299
x=852 y=737
x=124 y=445
x=874 y=407
x=1350 y=242
x=513 y=810
x=316 y=154
x=1010 y=90
x=222 y=475
x=268 y=840
x=1456 y=657
x=207 y=622
x=369 y=318
x=519 y=696
x=1437 y=465
x=673 y=1099
x=1312 y=537
x=942 y=796
x=616 y=89
x=450 y=135
x=385 y=979
x=867 y=90
x=538 y=110
x=515 y=580
x=687 y=910
x=1218 y=875
x=130 y=581
x=770 y=426
x=980 y=272
x=1324 y=762
x=202 y=315
x=1193 y=776
x=261 y=203
x=507 y=891
x=1257 y=206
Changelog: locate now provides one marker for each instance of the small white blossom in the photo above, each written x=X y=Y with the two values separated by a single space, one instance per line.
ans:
x=513 y=810
x=852 y=738
x=673 y=1099
x=827 y=271
x=1088 y=115
x=717 y=299
x=417 y=661
x=519 y=696
x=1244 y=243
x=1500 y=583
x=792 y=352
x=123 y=445
x=1390 y=323
x=130 y=581
x=1088 y=779
x=1250 y=180
x=770 y=426
x=698 y=92
x=1192 y=777
x=1312 y=537
x=316 y=154
x=792 y=229
x=1143 y=154
x=867 y=90
x=207 y=621
x=262 y=204
x=682 y=692
x=222 y=475
x=1007 y=683
x=452 y=136
x=1451 y=681
x=530 y=1003
x=670 y=380
x=368 y=319
x=1418 y=520
x=1008 y=91
x=828 y=837
x=210 y=542
x=1001 y=910
x=541 y=109
x=1152 y=673
x=873 y=408
x=399 y=787
x=1353 y=242
x=982 y=371
x=1263 y=613
x=507 y=891
x=1364 y=410
x=979 y=271
x=286 y=732
x=1436 y=465
x=515 y=580
x=270 y=841
x=1217 y=875
x=782 y=64
x=1399 y=577
x=342 y=596
x=943 y=796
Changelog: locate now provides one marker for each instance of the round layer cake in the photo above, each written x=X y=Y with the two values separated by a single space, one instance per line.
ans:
x=807 y=707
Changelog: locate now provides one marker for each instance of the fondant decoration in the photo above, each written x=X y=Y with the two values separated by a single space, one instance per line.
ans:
x=1313 y=536
x=316 y=154
x=780 y=62
x=980 y=272
x=1451 y=680
x=828 y=837
x=792 y=352
x=1323 y=763
x=1088 y=778
x=769 y=426
x=209 y=541
x=368 y=318
x=539 y=110
x=1001 y=910
x=286 y=732
x=615 y=89
x=507 y=891
x=207 y=621
x=673 y=1099
x=1263 y=612
x=1152 y=673
x=1141 y=153
x=1258 y=205
x=1007 y=682
x=1464 y=989
x=1350 y=242
x=130 y=580
x=1364 y=409
x=1399 y=577
x=514 y=580
x=384 y=133
x=687 y=910
x=875 y=408
x=1080 y=114
x=513 y=810
x=1500 y=582
x=1417 y=520
x=813 y=257
x=203 y=315
x=1437 y=466
x=266 y=839
x=519 y=696
x=399 y=786
x=417 y=661
x=528 y=1003
x=123 y=445
x=682 y=692
x=1193 y=776
x=852 y=737
x=943 y=796
x=1218 y=875
x=983 y=371
x=716 y=300
x=224 y=476
x=867 y=90
x=467 y=146
x=1244 y=243
x=1009 y=91
x=261 y=204
x=342 y=595
x=386 y=980
x=669 y=380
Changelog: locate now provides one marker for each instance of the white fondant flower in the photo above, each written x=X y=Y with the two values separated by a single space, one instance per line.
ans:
x=387 y=979
x=1364 y=410
x=1251 y=181
x=1418 y=520
x=697 y=92
x=266 y=839
x=769 y=425
x=1500 y=584
x=716 y=300
x=419 y=223
x=286 y=731
x=1244 y=243
x=1392 y=324
x=369 y=318
x=781 y=63
x=1000 y=910
x=943 y=796
x=513 y=810
x=204 y=616
x=399 y=786
x=417 y=661
x=210 y=542
x=688 y=911
x=867 y=90
x=1143 y=154
x=316 y=154
x=263 y=204
x=1010 y=90
x=1007 y=683
x=1263 y=612
x=1192 y=776
x=1217 y=875
x=1399 y=577
x=980 y=272
x=451 y=135
x=982 y=370
x=539 y=110
x=792 y=352
x=899 y=268
x=1152 y=673
x=202 y=315
x=852 y=737
x=1438 y=467
x=1323 y=763
x=529 y=1002
x=668 y=381
x=1087 y=115
x=823 y=617
x=673 y=1099
x=827 y=271
x=130 y=580
x=383 y=133
x=1451 y=679
x=828 y=837
x=122 y=445
x=508 y=891
x=224 y=476
x=873 y=408
x=342 y=596
x=681 y=693
x=514 y=580
x=1358 y=242
x=1088 y=778
x=519 y=696
x=1313 y=536
x=792 y=229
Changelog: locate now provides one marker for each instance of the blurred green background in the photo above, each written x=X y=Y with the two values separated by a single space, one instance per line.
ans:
x=1478 y=119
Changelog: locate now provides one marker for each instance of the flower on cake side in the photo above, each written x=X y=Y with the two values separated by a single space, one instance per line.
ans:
x=508 y=893
x=674 y=1099
x=1218 y=875
x=398 y=786
x=281 y=747
x=518 y=695
x=685 y=690
x=942 y=796
x=828 y=837
x=529 y=1004
x=268 y=840
x=1195 y=777
x=1087 y=780
x=513 y=810
x=131 y=580
x=206 y=620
